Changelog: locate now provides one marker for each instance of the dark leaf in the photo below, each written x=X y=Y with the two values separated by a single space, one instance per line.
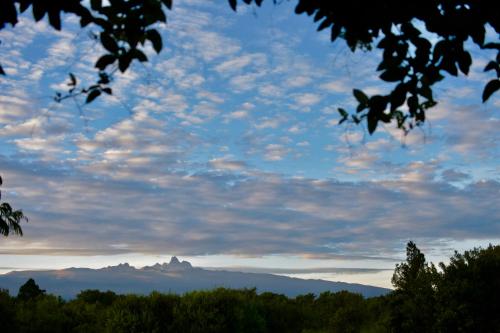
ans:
x=2 y=72
x=167 y=3
x=109 y=42
x=96 y=4
x=233 y=4
x=492 y=65
x=325 y=24
x=55 y=19
x=426 y=91
x=93 y=94
x=372 y=121
x=139 y=55
x=336 y=30
x=104 y=61
x=477 y=34
x=23 y=5
x=449 y=65
x=413 y=104
x=490 y=88
x=39 y=10
x=492 y=46
x=398 y=96
x=124 y=62
x=72 y=80
x=343 y=113
x=155 y=38
x=394 y=74
x=103 y=78
x=360 y=96
x=464 y=62
x=107 y=90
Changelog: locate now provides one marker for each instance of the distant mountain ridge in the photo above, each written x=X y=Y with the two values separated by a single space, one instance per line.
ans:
x=174 y=277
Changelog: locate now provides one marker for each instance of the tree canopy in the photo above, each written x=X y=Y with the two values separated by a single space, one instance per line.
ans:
x=29 y=291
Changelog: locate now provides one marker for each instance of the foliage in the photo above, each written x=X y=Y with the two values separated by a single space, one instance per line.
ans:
x=29 y=291
x=413 y=301
x=468 y=292
x=7 y=312
x=420 y=40
x=10 y=219
x=124 y=28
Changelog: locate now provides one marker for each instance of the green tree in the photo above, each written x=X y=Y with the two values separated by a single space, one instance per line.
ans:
x=413 y=301
x=128 y=314
x=29 y=291
x=7 y=312
x=10 y=219
x=468 y=293
x=43 y=314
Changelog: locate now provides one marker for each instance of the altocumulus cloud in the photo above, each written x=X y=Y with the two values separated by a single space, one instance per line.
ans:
x=255 y=214
x=150 y=177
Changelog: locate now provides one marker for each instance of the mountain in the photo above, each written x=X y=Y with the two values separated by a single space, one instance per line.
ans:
x=175 y=277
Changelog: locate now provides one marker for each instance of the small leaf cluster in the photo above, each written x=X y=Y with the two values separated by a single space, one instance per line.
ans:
x=124 y=26
x=410 y=60
x=10 y=219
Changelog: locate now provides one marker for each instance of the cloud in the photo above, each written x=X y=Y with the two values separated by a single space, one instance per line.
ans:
x=270 y=270
x=144 y=167
x=451 y=175
x=275 y=152
x=223 y=213
x=307 y=99
x=227 y=164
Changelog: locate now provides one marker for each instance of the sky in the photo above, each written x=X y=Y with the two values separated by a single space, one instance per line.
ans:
x=224 y=150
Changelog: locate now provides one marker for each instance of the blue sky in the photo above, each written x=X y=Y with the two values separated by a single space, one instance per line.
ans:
x=225 y=150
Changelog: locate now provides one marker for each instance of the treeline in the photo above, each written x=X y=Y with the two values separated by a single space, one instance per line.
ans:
x=462 y=296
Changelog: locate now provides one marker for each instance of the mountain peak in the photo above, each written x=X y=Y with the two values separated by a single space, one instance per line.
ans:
x=176 y=265
x=174 y=261
x=122 y=267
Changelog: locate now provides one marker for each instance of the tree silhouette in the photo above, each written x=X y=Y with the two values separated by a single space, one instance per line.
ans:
x=30 y=290
x=10 y=219
x=413 y=300
x=403 y=31
x=468 y=292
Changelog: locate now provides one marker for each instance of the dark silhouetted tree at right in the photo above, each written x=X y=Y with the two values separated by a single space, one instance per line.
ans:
x=469 y=292
x=413 y=301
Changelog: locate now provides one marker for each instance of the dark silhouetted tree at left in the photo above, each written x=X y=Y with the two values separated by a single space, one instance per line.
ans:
x=10 y=219
x=29 y=290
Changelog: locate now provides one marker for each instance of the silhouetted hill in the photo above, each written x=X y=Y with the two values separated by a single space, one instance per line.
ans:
x=175 y=277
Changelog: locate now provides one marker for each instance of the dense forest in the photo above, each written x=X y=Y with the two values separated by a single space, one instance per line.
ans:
x=461 y=296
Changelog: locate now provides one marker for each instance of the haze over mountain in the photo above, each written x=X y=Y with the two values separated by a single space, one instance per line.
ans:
x=175 y=276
